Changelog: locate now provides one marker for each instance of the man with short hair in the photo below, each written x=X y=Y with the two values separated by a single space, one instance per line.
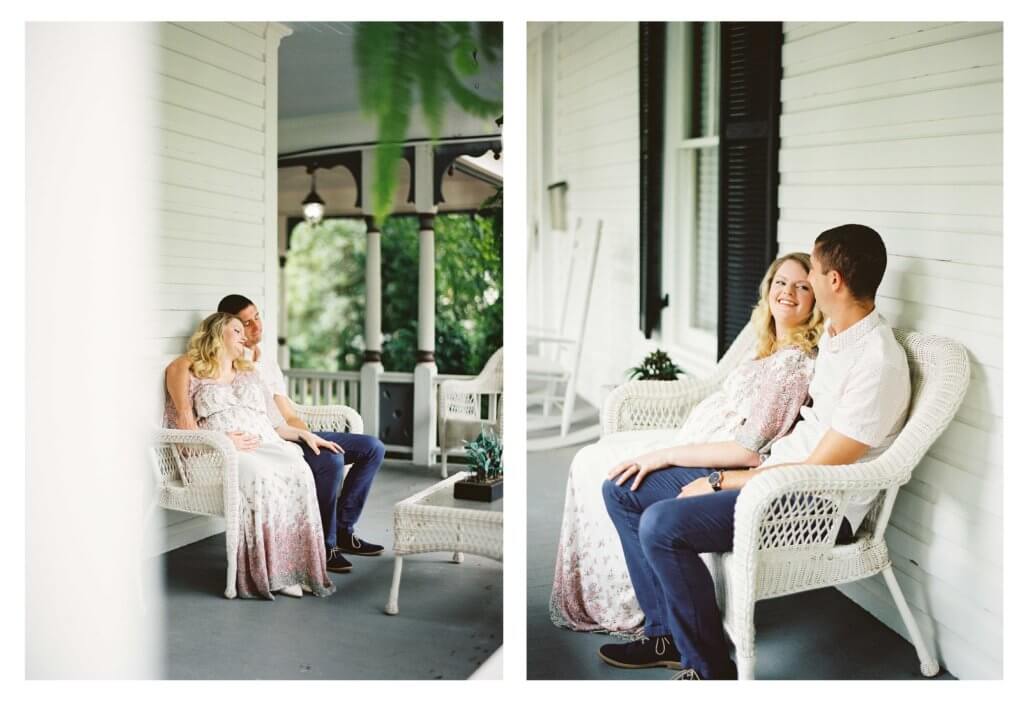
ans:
x=339 y=512
x=859 y=396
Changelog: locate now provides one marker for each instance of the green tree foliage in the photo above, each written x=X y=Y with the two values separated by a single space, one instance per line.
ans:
x=326 y=293
x=397 y=60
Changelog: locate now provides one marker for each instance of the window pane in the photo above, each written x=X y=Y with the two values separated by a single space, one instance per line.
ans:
x=704 y=94
x=706 y=288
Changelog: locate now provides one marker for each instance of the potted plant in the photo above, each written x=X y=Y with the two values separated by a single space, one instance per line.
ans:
x=656 y=366
x=484 y=454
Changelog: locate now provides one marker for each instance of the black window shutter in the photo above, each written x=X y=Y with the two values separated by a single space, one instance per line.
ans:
x=751 y=72
x=652 y=150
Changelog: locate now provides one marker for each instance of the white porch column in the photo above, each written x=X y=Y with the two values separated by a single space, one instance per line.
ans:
x=424 y=401
x=425 y=412
x=369 y=376
x=281 y=342
x=270 y=308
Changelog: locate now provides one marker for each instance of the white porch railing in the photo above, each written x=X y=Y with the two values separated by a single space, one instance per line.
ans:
x=317 y=387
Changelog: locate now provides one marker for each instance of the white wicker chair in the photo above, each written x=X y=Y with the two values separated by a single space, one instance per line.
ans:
x=783 y=540
x=459 y=404
x=197 y=471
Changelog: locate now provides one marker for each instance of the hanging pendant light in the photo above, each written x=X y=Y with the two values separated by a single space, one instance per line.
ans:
x=313 y=205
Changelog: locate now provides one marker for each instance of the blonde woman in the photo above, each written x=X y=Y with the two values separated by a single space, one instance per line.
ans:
x=281 y=546
x=734 y=427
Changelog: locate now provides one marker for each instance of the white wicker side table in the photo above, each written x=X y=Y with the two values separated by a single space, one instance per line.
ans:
x=435 y=521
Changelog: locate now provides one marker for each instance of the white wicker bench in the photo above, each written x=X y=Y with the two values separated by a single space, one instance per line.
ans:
x=784 y=541
x=197 y=471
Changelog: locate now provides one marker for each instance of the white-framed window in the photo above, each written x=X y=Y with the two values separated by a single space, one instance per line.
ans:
x=690 y=211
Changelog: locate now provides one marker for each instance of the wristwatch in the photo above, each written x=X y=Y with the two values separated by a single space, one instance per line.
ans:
x=715 y=480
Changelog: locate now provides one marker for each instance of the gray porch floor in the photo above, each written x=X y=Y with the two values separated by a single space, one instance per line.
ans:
x=815 y=635
x=450 y=617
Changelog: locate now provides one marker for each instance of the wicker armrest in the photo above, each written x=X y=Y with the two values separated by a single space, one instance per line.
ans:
x=194 y=457
x=197 y=472
x=647 y=404
x=801 y=506
x=331 y=417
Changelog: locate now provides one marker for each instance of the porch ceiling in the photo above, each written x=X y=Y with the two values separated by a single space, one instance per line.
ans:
x=317 y=82
x=315 y=72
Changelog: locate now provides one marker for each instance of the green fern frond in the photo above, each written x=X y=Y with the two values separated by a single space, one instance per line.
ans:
x=396 y=60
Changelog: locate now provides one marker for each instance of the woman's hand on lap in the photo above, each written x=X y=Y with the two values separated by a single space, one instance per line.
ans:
x=244 y=441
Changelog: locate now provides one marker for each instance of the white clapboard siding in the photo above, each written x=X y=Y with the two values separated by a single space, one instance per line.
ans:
x=192 y=70
x=194 y=122
x=595 y=94
x=208 y=102
x=213 y=130
x=194 y=200
x=899 y=126
x=214 y=53
x=968 y=76
x=197 y=176
x=196 y=149
x=218 y=229
x=230 y=35
x=953 y=55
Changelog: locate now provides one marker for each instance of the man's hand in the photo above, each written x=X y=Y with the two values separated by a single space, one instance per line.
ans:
x=640 y=467
x=244 y=442
x=315 y=442
x=696 y=488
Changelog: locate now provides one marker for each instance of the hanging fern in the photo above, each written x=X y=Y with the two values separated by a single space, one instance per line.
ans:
x=396 y=60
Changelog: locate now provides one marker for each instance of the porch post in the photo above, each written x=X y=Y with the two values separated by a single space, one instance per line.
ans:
x=281 y=342
x=424 y=401
x=369 y=376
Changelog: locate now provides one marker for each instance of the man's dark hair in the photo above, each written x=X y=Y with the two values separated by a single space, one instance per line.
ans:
x=233 y=304
x=857 y=252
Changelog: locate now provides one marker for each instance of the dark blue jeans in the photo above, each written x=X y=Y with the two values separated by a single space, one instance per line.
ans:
x=661 y=538
x=339 y=512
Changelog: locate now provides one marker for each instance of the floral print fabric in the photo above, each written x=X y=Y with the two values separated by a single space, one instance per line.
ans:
x=757 y=404
x=281 y=540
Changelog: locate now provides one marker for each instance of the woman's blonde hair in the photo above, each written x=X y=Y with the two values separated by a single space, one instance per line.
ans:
x=206 y=345
x=804 y=336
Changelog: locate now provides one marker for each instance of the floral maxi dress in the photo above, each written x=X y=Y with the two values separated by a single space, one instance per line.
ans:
x=757 y=404
x=281 y=540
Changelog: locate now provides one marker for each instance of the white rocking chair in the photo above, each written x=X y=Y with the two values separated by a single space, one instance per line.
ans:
x=460 y=403
x=197 y=471
x=557 y=360
x=784 y=543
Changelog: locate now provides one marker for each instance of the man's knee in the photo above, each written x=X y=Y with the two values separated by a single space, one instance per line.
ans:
x=373 y=449
x=327 y=465
x=377 y=449
x=615 y=496
x=652 y=529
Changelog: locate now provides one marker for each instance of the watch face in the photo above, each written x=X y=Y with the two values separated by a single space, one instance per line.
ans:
x=715 y=478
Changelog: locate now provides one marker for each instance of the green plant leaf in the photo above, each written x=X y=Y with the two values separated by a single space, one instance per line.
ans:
x=397 y=60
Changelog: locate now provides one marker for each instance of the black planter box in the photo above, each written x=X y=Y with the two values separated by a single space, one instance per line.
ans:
x=479 y=491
